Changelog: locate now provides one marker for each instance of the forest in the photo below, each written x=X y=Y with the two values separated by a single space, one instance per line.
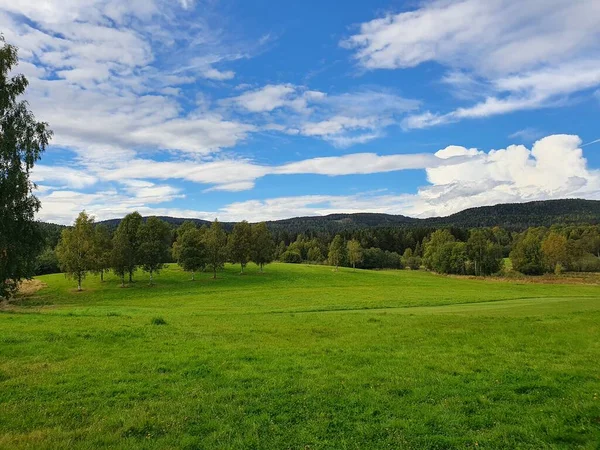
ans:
x=149 y=243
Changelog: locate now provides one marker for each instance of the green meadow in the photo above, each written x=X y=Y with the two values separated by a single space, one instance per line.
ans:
x=301 y=357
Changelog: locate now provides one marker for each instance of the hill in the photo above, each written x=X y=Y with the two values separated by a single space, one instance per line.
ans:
x=513 y=216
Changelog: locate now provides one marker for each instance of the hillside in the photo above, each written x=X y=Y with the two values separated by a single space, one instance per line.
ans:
x=514 y=216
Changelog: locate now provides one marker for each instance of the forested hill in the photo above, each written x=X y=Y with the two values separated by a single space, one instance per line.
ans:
x=513 y=216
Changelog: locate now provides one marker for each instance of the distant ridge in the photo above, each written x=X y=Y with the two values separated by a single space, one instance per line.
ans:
x=514 y=216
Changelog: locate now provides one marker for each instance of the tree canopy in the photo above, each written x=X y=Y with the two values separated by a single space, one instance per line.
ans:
x=22 y=142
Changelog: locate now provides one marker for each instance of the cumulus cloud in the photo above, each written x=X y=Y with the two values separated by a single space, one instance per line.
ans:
x=458 y=178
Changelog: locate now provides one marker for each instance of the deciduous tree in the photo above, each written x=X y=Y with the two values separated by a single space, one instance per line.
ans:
x=154 y=237
x=102 y=250
x=355 y=252
x=216 y=247
x=554 y=250
x=337 y=251
x=22 y=141
x=192 y=251
x=240 y=244
x=75 y=251
x=263 y=247
x=126 y=245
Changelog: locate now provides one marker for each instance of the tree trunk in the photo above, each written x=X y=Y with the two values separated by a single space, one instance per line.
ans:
x=102 y=276
x=131 y=277
x=354 y=266
x=150 y=278
x=242 y=270
x=214 y=273
x=261 y=267
x=123 y=281
x=79 y=282
x=193 y=276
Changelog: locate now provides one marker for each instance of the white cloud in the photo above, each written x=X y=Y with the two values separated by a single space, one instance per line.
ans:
x=491 y=37
x=517 y=55
x=266 y=98
x=527 y=134
x=343 y=120
x=64 y=176
x=458 y=178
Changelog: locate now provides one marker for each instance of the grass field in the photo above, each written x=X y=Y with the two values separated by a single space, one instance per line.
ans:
x=304 y=358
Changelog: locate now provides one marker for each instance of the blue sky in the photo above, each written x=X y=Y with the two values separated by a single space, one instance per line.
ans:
x=265 y=110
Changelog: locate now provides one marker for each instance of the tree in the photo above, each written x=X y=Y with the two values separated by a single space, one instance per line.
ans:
x=263 y=247
x=554 y=250
x=355 y=252
x=485 y=255
x=436 y=251
x=291 y=257
x=315 y=255
x=75 y=251
x=193 y=252
x=22 y=142
x=126 y=245
x=337 y=251
x=119 y=259
x=526 y=256
x=216 y=247
x=154 y=237
x=240 y=244
x=185 y=226
x=102 y=250
x=410 y=260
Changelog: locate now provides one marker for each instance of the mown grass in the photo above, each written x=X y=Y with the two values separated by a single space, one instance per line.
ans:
x=301 y=357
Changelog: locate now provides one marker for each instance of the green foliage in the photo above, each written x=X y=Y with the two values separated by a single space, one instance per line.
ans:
x=183 y=228
x=102 y=250
x=337 y=251
x=216 y=247
x=76 y=249
x=193 y=254
x=154 y=238
x=47 y=262
x=291 y=257
x=437 y=251
x=375 y=258
x=22 y=142
x=315 y=255
x=240 y=244
x=124 y=256
x=354 y=252
x=554 y=251
x=263 y=246
x=411 y=260
x=484 y=255
x=526 y=256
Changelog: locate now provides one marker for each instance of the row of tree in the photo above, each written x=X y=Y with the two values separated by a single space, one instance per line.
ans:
x=146 y=244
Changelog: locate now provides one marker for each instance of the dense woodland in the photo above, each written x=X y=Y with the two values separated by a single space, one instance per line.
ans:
x=149 y=243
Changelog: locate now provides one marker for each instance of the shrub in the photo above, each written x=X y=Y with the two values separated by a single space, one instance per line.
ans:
x=291 y=256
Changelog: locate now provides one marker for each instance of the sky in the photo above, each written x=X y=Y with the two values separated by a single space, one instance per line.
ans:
x=263 y=110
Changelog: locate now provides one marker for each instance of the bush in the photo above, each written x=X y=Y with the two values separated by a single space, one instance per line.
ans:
x=47 y=262
x=291 y=256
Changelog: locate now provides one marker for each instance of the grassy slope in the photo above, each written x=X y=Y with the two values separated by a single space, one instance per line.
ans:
x=302 y=357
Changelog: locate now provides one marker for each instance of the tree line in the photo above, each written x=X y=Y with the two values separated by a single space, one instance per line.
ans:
x=478 y=251
x=148 y=245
